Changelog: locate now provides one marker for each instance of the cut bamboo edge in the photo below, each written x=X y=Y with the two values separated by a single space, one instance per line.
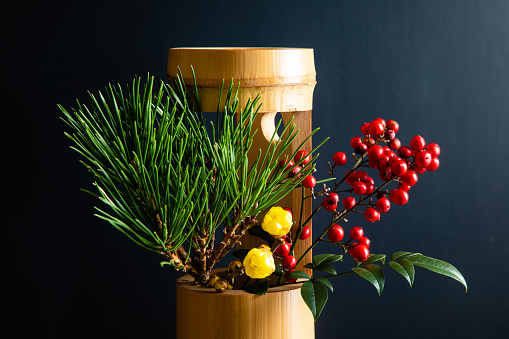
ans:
x=279 y=314
x=285 y=78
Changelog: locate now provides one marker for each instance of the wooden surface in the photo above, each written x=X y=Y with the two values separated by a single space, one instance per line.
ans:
x=285 y=78
x=205 y=313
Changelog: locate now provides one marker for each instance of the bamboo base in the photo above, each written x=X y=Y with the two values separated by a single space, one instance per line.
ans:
x=203 y=313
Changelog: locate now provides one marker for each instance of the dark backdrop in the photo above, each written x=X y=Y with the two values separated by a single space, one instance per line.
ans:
x=440 y=68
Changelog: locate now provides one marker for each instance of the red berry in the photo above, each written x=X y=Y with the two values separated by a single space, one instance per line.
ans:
x=360 y=148
x=369 y=141
x=423 y=159
x=361 y=175
x=364 y=242
x=356 y=233
x=309 y=181
x=365 y=128
x=405 y=152
x=434 y=149
x=383 y=163
x=371 y=214
x=355 y=141
x=349 y=202
x=335 y=233
x=294 y=172
x=333 y=196
x=286 y=164
x=376 y=128
x=369 y=188
x=385 y=175
x=389 y=153
x=391 y=124
x=373 y=163
x=381 y=121
x=403 y=187
x=399 y=167
x=383 y=205
x=389 y=135
x=410 y=178
x=418 y=170
x=288 y=209
x=351 y=178
x=360 y=253
x=399 y=197
x=375 y=152
x=302 y=154
x=283 y=250
x=289 y=262
x=305 y=233
x=339 y=158
x=393 y=159
x=291 y=280
x=351 y=247
x=435 y=163
x=359 y=188
x=329 y=205
x=417 y=143
x=369 y=181
x=395 y=144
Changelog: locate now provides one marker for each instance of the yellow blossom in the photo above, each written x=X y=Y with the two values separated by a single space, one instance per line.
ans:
x=277 y=222
x=259 y=262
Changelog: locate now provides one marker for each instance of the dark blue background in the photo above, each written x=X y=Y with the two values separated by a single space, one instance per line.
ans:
x=440 y=68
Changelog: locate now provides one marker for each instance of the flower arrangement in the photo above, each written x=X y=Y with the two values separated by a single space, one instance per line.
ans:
x=172 y=181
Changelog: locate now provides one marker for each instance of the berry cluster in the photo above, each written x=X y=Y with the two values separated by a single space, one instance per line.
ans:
x=378 y=149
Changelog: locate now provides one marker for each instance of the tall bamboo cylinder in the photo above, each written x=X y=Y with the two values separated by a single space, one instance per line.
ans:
x=285 y=79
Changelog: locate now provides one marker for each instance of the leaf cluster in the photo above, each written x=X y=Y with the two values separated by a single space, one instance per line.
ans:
x=314 y=288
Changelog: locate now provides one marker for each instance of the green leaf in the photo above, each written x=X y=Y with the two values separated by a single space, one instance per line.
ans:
x=403 y=255
x=258 y=231
x=325 y=267
x=374 y=257
x=438 y=266
x=241 y=254
x=326 y=258
x=324 y=282
x=310 y=265
x=315 y=295
x=374 y=274
x=298 y=275
x=405 y=268
x=259 y=288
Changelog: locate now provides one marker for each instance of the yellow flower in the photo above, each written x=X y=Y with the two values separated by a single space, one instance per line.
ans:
x=277 y=222
x=259 y=262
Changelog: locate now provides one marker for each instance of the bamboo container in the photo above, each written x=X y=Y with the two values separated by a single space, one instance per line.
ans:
x=203 y=313
x=285 y=78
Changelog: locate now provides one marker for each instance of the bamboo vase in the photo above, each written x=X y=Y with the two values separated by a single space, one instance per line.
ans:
x=285 y=78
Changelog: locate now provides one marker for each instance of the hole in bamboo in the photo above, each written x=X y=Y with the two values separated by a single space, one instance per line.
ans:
x=269 y=122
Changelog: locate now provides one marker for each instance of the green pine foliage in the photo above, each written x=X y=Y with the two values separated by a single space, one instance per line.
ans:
x=168 y=178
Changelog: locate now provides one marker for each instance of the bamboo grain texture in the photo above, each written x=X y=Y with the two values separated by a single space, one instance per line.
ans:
x=203 y=313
